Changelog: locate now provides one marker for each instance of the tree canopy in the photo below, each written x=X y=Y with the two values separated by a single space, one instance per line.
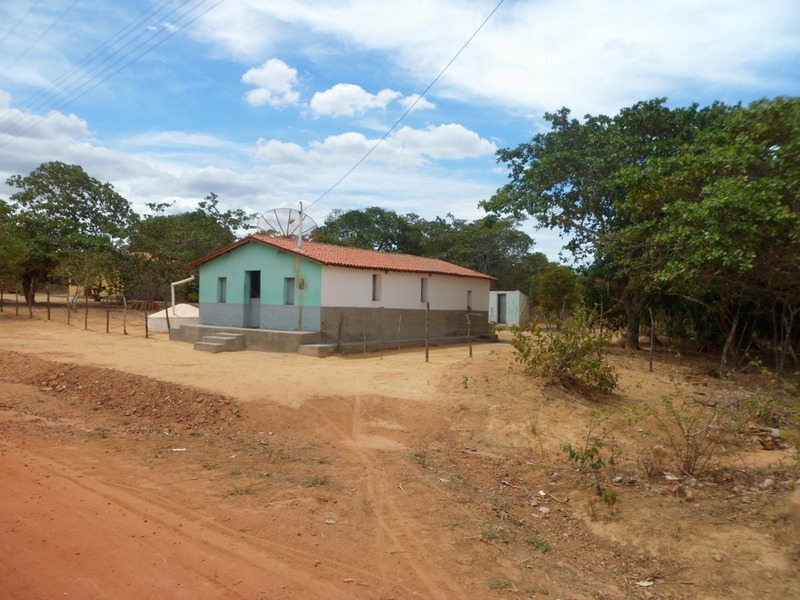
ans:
x=492 y=245
x=161 y=246
x=63 y=225
x=65 y=218
x=372 y=228
x=692 y=204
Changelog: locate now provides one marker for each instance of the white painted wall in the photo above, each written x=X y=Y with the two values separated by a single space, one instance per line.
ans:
x=353 y=288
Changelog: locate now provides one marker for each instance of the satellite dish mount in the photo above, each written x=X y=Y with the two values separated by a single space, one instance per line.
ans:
x=286 y=223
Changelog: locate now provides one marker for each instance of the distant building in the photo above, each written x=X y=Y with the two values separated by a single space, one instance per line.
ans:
x=509 y=308
x=342 y=296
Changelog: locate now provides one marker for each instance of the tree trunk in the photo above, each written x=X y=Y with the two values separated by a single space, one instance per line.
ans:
x=29 y=288
x=632 y=329
x=632 y=304
x=723 y=363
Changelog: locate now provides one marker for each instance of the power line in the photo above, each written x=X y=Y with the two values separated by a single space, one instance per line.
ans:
x=18 y=21
x=71 y=85
x=63 y=82
x=39 y=37
x=408 y=110
x=74 y=85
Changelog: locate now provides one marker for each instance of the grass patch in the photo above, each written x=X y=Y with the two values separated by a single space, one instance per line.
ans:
x=314 y=481
x=274 y=452
x=499 y=584
x=495 y=534
x=241 y=490
x=539 y=543
x=99 y=434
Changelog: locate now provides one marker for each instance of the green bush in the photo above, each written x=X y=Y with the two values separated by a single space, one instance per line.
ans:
x=574 y=355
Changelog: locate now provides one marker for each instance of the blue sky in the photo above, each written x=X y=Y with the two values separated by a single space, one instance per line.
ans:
x=269 y=104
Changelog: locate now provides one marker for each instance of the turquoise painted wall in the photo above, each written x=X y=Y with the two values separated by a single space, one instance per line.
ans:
x=275 y=266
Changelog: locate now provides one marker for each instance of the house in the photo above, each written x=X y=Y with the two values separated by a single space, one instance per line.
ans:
x=508 y=307
x=325 y=295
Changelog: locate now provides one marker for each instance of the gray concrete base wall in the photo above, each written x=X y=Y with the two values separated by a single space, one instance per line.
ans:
x=280 y=317
x=342 y=329
x=290 y=318
x=223 y=315
x=347 y=326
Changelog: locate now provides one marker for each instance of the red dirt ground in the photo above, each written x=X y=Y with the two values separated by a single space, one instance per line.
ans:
x=138 y=468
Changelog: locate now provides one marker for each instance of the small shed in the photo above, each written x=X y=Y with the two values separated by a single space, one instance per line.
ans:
x=508 y=307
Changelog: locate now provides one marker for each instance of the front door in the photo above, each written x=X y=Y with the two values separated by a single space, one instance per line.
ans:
x=252 y=317
x=501 y=308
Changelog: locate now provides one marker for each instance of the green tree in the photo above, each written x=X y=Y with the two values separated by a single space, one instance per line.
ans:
x=490 y=245
x=731 y=240
x=65 y=217
x=555 y=290
x=162 y=246
x=12 y=248
x=571 y=178
x=372 y=228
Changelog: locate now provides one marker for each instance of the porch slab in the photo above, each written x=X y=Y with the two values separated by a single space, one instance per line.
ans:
x=264 y=340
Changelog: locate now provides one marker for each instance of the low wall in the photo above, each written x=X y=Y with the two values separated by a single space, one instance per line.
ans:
x=354 y=329
x=346 y=326
x=265 y=340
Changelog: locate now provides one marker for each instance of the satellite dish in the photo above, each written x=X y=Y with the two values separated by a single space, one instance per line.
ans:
x=285 y=223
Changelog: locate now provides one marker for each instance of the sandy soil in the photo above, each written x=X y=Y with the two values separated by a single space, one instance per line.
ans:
x=139 y=468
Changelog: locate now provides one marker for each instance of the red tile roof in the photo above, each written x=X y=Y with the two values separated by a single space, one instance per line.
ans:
x=354 y=258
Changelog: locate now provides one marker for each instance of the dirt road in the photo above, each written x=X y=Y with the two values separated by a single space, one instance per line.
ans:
x=139 y=468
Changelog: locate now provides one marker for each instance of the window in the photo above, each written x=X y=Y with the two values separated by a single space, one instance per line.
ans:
x=376 y=287
x=469 y=300
x=222 y=290
x=288 y=290
x=423 y=290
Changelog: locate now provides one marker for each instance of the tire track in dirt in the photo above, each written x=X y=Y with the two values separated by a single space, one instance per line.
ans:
x=392 y=523
x=248 y=552
x=160 y=528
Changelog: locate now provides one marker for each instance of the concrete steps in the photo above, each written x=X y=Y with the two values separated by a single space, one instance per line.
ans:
x=221 y=342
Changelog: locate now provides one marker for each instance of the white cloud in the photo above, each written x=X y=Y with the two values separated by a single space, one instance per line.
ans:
x=172 y=139
x=347 y=100
x=593 y=56
x=417 y=102
x=274 y=81
x=275 y=151
x=452 y=142
x=590 y=55
x=407 y=146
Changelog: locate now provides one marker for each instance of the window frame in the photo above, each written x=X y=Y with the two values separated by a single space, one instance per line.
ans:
x=289 y=285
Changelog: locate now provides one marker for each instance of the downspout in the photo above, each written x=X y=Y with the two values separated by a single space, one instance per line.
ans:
x=172 y=290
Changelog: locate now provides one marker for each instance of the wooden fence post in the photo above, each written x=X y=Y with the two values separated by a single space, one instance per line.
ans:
x=166 y=312
x=124 y=315
x=383 y=321
x=339 y=333
x=427 y=329
x=399 y=323
x=469 y=334
x=30 y=300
